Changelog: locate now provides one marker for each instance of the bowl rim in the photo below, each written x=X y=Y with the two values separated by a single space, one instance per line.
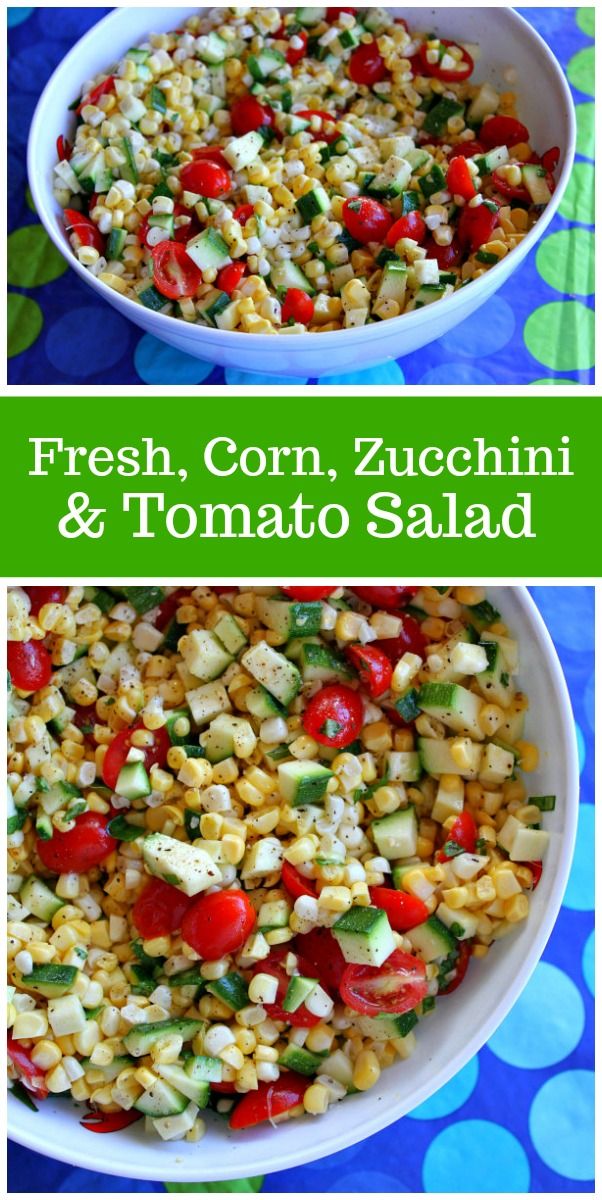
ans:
x=80 y=1156
x=154 y=322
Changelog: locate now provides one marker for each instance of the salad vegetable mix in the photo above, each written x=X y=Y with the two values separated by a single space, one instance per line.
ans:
x=254 y=835
x=278 y=171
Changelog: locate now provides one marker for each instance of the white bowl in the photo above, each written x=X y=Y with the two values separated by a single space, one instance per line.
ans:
x=505 y=38
x=459 y=1027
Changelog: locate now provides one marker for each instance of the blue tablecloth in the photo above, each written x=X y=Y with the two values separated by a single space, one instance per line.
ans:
x=519 y=1116
x=537 y=328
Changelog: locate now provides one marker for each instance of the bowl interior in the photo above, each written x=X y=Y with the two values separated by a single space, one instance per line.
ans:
x=461 y=1024
x=505 y=41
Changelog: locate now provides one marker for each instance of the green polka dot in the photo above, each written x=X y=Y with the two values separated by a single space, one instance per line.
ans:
x=32 y=258
x=25 y=321
x=585 y=114
x=581 y=71
x=561 y=335
x=577 y=204
x=29 y=200
x=553 y=382
x=566 y=261
x=586 y=20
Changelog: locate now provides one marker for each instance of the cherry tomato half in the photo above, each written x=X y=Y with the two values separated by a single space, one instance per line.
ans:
x=410 y=639
x=294 y=54
x=175 y=275
x=243 y=213
x=295 y=883
x=459 y=179
x=247 y=115
x=502 y=131
x=219 y=923
x=367 y=65
x=403 y=910
x=366 y=220
x=462 y=833
x=269 y=1100
x=327 y=131
x=396 y=987
x=509 y=190
x=206 y=178
x=159 y=909
x=31 y=1076
x=463 y=69
x=536 y=869
x=309 y=593
x=229 y=277
x=324 y=955
x=119 y=748
x=102 y=89
x=334 y=716
x=83 y=230
x=551 y=158
x=83 y=847
x=63 y=148
x=297 y=306
x=212 y=154
x=476 y=225
x=410 y=226
x=389 y=598
x=101 y=1122
x=29 y=665
x=332 y=14
x=467 y=149
x=447 y=257
x=373 y=667
x=52 y=593
x=301 y=1018
x=461 y=967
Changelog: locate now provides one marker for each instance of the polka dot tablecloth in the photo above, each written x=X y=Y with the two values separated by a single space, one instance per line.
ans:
x=519 y=1116
x=538 y=329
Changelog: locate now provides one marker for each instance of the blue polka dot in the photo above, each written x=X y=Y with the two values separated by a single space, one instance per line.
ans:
x=15 y=176
x=22 y=108
x=458 y=373
x=156 y=362
x=16 y=16
x=385 y=373
x=451 y=1096
x=580 y=891
x=72 y=343
x=333 y=1162
x=561 y=1123
x=476 y=1156
x=367 y=1181
x=588 y=962
x=581 y=747
x=238 y=378
x=589 y=702
x=73 y=21
x=523 y=1039
x=569 y=615
x=30 y=69
x=485 y=332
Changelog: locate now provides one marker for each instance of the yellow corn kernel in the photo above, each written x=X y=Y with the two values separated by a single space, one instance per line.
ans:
x=46 y=1054
x=366 y=1070
x=529 y=756
x=460 y=752
x=377 y=737
x=386 y=800
x=315 y=1099
x=516 y=909
x=335 y=899
x=455 y=897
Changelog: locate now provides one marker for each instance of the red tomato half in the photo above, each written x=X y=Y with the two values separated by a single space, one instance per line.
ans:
x=551 y=158
x=502 y=131
x=509 y=190
x=403 y=910
x=448 y=257
x=463 y=833
x=366 y=220
x=536 y=869
x=396 y=987
x=459 y=179
x=206 y=178
x=476 y=225
x=367 y=65
x=463 y=69
x=83 y=847
x=247 y=114
x=102 y=89
x=297 y=306
x=229 y=277
x=294 y=54
x=159 y=909
x=332 y=14
x=119 y=749
x=467 y=149
x=243 y=213
x=411 y=226
x=52 y=593
x=461 y=967
x=101 y=1122
x=327 y=132
x=322 y=951
x=175 y=275
x=373 y=667
x=219 y=923
x=301 y=1018
x=269 y=1100
x=29 y=665
x=309 y=593
x=334 y=716
x=31 y=1076
x=85 y=232
x=389 y=598
x=213 y=154
x=63 y=148
x=411 y=639
x=295 y=883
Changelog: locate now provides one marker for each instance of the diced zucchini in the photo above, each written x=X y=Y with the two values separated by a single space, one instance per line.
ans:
x=303 y=782
x=206 y=702
x=319 y=662
x=50 y=979
x=364 y=935
x=208 y=250
x=230 y=634
x=242 y=151
x=297 y=1058
x=39 y=899
x=313 y=204
x=204 y=654
x=140 y=1038
x=454 y=705
x=161 y=1100
x=387 y=1026
x=287 y=275
x=396 y=835
x=228 y=736
x=290 y=619
x=186 y=867
x=231 y=989
x=133 y=781
x=437 y=759
x=432 y=940
x=273 y=670
x=196 y=1090
x=403 y=766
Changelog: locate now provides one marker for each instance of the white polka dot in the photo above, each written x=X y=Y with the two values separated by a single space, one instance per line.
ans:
x=561 y=1124
x=579 y=894
x=156 y=362
x=524 y=1039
